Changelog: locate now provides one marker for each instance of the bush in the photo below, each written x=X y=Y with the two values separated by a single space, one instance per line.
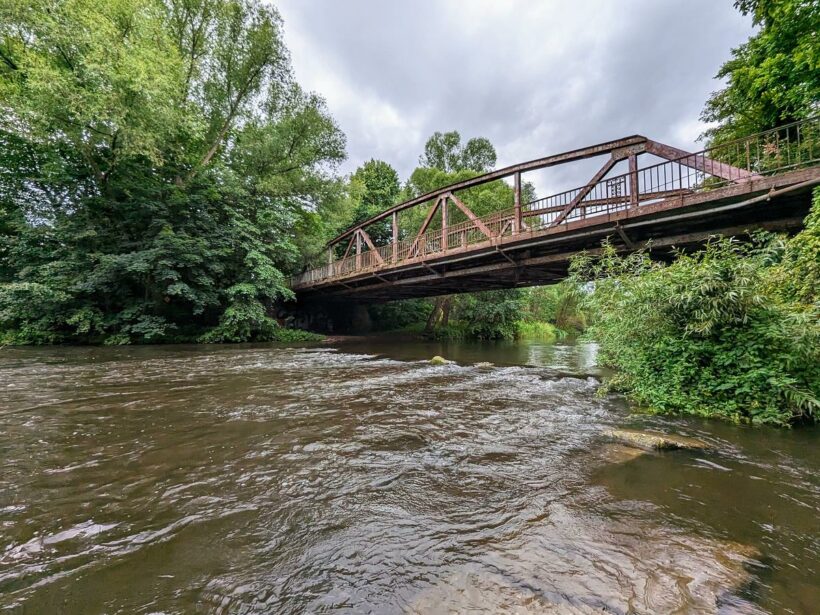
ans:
x=538 y=330
x=726 y=332
x=490 y=315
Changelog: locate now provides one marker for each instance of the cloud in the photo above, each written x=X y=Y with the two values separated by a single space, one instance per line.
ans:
x=534 y=77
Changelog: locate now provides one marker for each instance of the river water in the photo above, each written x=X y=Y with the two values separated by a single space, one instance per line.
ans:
x=358 y=478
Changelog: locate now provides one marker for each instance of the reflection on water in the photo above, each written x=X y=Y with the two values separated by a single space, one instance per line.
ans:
x=362 y=479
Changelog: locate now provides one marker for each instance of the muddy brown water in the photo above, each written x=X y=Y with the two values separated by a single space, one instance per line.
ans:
x=358 y=478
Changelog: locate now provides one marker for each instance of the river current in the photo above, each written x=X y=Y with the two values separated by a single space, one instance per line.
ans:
x=355 y=477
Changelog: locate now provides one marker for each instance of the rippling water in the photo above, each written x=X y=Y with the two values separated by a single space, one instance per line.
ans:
x=361 y=479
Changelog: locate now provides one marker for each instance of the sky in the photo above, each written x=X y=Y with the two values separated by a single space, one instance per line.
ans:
x=536 y=77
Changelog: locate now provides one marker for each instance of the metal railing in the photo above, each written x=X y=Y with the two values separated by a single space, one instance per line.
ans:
x=788 y=147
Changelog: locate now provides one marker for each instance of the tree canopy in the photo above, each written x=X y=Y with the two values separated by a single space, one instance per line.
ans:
x=158 y=157
x=772 y=77
x=444 y=151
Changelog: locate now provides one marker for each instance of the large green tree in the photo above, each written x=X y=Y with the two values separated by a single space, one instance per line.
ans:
x=772 y=78
x=158 y=158
x=444 y=151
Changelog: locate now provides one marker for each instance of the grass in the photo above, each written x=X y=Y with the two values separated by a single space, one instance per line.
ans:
x=538 y=330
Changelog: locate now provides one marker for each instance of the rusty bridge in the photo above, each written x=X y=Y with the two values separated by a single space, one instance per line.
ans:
x=678 y=200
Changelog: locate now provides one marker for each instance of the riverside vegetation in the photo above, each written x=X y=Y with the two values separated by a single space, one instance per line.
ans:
x=162 y=173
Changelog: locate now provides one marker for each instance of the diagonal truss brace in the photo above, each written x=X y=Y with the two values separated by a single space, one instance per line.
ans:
x=586 y=189
x=424 y=226
x=699 y=162
x=363 y=234
x=472 y=217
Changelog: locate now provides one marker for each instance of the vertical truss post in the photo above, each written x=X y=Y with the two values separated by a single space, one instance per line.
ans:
x=444 y=224
x=358 y=250
x=395 y=237
x=633 y=180
x=518 y=217
x=330 y=260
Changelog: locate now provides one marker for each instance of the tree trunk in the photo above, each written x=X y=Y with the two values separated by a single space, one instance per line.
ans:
x=445 y=310
x=440 y=314
x=433 y=318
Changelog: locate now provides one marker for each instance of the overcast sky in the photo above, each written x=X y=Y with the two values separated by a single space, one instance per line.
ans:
x=535 y=77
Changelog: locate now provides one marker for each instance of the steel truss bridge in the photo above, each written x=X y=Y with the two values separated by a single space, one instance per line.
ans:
x=763 y=181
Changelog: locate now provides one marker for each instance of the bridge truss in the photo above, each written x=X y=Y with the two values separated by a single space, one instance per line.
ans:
x=681 y=200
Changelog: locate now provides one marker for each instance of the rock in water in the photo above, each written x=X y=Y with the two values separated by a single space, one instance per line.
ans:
x=437 y=360
x=651 y=440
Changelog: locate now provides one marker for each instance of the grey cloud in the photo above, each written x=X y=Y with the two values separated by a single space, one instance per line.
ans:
x=535 y=78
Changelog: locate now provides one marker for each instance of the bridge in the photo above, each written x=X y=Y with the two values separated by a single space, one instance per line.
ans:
x=677 y=201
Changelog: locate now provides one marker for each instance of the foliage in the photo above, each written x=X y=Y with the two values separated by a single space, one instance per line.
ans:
x=772 y=78
x=444 y=151
x=157 y=162
x=399 y=314
x=380 y=191
x=292 y=336
x=538 y=330
x=798 y=275
x=491 y=314
x=712 y=334
x=559 y=304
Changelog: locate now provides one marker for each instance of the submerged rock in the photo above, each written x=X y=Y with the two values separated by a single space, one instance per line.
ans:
x=614 y=452
x=654 y=441
x=484 y=364
x=437 y=360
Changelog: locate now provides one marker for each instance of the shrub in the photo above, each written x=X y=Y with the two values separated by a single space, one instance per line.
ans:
x=718 y=333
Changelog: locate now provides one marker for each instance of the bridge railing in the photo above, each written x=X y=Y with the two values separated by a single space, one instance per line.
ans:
x=785 y=148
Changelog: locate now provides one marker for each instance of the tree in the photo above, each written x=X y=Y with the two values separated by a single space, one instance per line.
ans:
x=443 y=151
x=380 y=191
x=160 y=160
x=773 y=77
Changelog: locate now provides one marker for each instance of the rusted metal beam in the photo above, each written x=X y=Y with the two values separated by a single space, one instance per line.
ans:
x=423 y=228
x=624 y=237
x=518 y=219
x=359 y=249
x=370 y=245
x=473 y=218
x=395 y=236
x=444 y=225
x=634 y=189
x=698 y=162
x=349 y=245
x=585 y=190
x=532 y=165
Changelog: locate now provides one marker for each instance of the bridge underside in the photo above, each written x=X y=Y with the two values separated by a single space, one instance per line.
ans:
x=542 y=256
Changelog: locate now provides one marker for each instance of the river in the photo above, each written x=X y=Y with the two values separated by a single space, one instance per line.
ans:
x=357 y=478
